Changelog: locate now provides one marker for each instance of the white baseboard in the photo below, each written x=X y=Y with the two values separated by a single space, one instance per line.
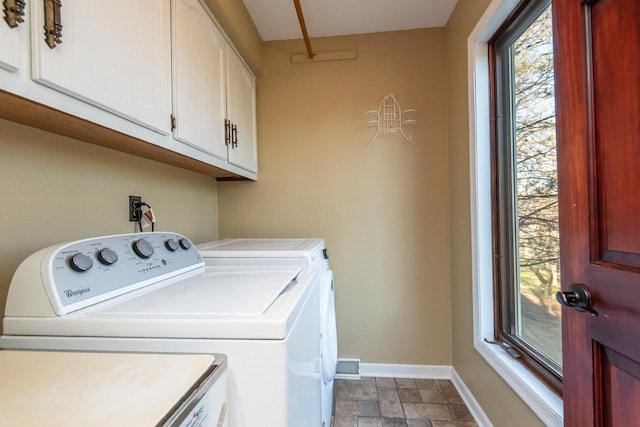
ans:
x=387 y=370
x=471 y=402
x=438 y=372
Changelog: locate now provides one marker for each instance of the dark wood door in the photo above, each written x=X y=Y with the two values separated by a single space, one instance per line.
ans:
x=597 y=57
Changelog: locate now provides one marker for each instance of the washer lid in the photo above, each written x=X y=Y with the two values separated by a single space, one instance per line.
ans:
x=216 y=303
x=238 y=293
x=260 y=248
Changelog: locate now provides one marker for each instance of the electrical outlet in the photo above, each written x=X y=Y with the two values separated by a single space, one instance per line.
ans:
x=134 y=212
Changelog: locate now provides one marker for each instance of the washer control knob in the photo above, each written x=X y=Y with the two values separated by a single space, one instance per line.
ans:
x=80 y=262
x=172 y=245
x=142 y=248
x=107 y=256
x=185 y=244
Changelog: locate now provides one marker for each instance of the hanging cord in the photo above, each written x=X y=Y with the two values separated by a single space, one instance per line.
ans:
x=138 y=208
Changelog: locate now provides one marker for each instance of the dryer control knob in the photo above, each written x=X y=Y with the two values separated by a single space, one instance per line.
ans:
x=142 y=248
x=80 y=262
x=172 y=245
x=185 y=244
x=107 y=256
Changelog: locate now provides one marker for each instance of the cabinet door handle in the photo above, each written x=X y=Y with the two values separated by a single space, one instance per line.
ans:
x=13 y=12
x=227 y=132
x=52 y=23
x=234 y=131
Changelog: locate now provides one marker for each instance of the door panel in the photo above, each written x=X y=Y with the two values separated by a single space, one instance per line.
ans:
x=615 y=35
x=10 y=44
x=619 y=380
x=241 y=111
x=115 y=54
x=597 y=51
x=199 y=79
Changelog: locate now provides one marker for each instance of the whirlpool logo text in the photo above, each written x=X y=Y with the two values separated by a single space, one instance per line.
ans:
x=70 y=293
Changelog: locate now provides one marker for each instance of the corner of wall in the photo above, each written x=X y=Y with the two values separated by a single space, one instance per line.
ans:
x=233 y=16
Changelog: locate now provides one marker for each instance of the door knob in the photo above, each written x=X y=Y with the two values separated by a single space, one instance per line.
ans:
x=577 y=297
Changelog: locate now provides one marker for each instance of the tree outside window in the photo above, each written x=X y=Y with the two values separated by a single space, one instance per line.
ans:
x=526 y=234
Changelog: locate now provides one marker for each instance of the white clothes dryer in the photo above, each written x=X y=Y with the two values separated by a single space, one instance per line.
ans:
x=290 y=252
x=152 y=293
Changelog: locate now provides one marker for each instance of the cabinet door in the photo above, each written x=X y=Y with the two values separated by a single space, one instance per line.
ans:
x=10 y=40
x=199 y=81
x=115 y=54
x=241 y=111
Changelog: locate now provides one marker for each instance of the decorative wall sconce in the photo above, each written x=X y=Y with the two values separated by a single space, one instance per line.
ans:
x=389 y=118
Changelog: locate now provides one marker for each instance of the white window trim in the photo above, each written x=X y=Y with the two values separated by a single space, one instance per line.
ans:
x=537 y=395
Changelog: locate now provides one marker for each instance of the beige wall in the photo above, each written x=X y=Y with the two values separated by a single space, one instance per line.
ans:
x=56 y=189
x=497 y=399
x=382 y=207
x=396 y=216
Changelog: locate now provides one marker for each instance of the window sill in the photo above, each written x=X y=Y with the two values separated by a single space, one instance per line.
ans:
x=537 y=395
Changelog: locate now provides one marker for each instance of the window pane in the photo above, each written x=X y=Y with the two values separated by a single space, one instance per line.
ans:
x=538 y=314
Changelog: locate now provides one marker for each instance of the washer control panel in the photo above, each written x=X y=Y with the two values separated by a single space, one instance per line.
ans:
x=89 y=271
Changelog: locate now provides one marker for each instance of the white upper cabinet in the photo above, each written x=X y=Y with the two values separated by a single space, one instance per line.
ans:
x=154 y=78
x=12 y=32
x=211 y=84
x=241 y=112
x=198 y=79
x=114 y=54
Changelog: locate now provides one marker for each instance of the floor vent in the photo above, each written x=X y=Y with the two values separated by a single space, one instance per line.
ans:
x=348 y=369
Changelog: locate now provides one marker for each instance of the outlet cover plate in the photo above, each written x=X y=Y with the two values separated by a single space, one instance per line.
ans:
x=134 y=215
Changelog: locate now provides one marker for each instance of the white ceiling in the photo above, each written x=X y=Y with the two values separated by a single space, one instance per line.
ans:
x=277 y=20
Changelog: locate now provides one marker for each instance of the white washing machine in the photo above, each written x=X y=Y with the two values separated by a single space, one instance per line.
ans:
x=151 y=292
x=290 y=252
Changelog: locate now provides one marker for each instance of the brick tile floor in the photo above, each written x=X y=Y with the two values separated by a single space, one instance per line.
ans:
x=402 y=402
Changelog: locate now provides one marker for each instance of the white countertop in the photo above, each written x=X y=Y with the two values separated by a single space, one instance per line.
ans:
x=96 y=389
